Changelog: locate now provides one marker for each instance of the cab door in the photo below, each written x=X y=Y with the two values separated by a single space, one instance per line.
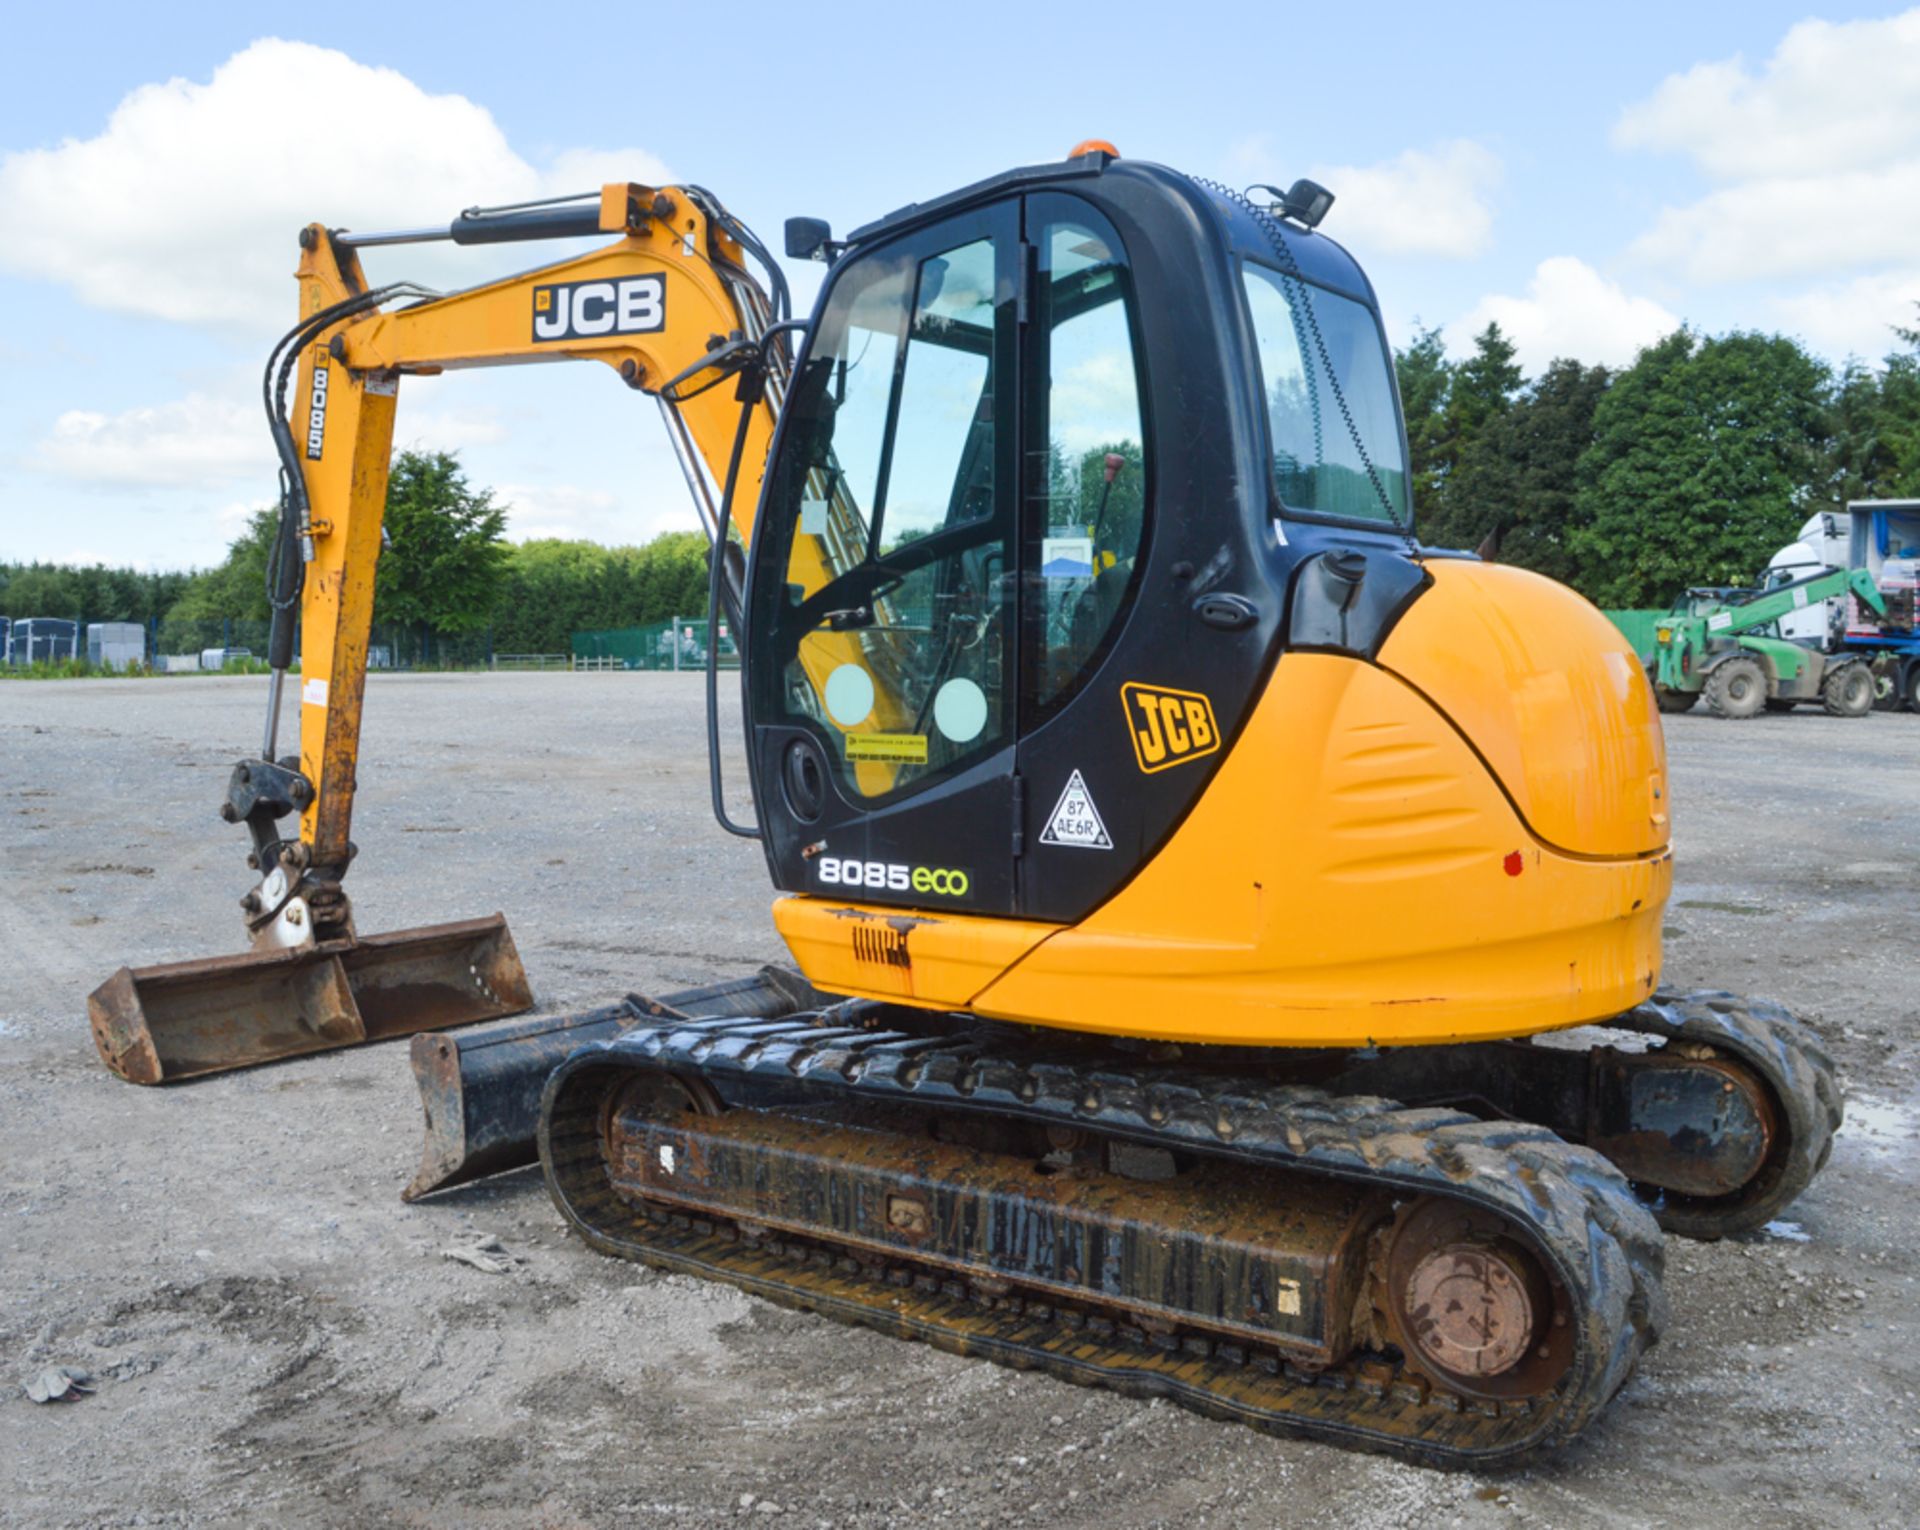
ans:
x=1086 y=501
x=884 y=612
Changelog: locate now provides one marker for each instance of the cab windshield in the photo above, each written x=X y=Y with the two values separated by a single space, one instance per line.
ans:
x=1333 y=420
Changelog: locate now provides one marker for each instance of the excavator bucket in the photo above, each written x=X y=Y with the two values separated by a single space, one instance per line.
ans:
x=158 y=1025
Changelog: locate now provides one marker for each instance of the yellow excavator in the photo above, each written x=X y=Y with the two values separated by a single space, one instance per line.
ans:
x=1183 y=860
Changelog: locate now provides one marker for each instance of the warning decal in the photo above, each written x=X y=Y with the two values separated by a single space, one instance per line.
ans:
x=1075 y=820
x=901 y=748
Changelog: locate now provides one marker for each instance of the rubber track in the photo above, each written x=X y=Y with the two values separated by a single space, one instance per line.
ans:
x=1597 y=1239
x=1789 y=1058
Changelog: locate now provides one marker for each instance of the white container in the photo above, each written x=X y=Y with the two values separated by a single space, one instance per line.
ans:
x=116 y=645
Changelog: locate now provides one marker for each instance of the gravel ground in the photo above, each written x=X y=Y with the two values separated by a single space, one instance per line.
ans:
x=278 y=1339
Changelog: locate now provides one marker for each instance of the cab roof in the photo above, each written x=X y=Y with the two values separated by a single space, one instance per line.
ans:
x=1243 y=225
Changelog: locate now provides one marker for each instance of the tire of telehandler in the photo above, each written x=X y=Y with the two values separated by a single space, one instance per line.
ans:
x=1736 y=688
x=1668 y=699
x=1847 y=690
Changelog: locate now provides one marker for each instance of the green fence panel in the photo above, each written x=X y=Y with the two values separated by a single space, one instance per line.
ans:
x=1637 y=628
x=680 y=643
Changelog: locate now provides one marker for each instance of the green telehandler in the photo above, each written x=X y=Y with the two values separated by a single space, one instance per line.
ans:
x=1723 y=651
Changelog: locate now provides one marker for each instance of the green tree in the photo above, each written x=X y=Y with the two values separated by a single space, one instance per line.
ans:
x=1706 y=457
x=1516 y=479
x=94 y=594
x=1878 y=437
x=1484 y=386
x=237 y=589
x=1480 y=392
x=1426 y=379
x=1898 y=428
x=444 y=568
x=39 y=589
x=555 y=588
x=1860 y=457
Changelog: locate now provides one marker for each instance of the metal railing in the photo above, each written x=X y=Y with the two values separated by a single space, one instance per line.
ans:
x=533 y=661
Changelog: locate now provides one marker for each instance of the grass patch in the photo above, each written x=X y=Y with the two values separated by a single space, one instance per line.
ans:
x=70 y=669
x=82 y=669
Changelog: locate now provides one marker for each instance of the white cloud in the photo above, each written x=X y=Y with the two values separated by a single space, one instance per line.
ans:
x=1791 y=226
x=1569 y=309
x=1853 y=318
x=194 y=441
x=1843 y=95
x=1431 y=202
x=186 y=204
x=572 y=511
x=448 y=430
x=1814 y=165
x=212 y=440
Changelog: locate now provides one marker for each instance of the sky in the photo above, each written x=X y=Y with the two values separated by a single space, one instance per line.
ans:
x=1590 y=177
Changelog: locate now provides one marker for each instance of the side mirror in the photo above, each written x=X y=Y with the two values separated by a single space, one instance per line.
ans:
x=808 y=238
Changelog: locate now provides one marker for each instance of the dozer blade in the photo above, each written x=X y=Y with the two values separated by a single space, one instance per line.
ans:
x=480 y=1092
x=157 y=1025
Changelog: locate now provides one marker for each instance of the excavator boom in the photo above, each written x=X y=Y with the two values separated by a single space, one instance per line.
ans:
x=671 y=308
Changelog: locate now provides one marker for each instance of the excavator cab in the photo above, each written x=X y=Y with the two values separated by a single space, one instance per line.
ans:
x=993 y=533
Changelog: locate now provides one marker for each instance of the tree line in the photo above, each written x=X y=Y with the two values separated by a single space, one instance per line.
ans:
x=1692 y=466
x=447 y=572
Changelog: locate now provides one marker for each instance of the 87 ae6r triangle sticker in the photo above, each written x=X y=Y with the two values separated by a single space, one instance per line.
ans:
x=1076 y=821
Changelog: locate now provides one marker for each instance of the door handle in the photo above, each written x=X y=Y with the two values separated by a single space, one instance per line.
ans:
x=1227 y=611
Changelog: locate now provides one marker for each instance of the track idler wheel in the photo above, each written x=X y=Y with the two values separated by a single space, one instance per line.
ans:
x=1469 y=1304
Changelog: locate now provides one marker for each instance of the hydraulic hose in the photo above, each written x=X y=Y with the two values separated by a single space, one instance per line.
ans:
x=293 y=541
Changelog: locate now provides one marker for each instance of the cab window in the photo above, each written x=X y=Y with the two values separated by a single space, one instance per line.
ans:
x=1086 y=512
x=1333 y=418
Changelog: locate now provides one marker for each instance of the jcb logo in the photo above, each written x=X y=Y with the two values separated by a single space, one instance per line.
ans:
x=1168 y=727
x=634 y=305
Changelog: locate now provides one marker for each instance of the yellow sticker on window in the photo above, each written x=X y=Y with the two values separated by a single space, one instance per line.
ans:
x=900 y=748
